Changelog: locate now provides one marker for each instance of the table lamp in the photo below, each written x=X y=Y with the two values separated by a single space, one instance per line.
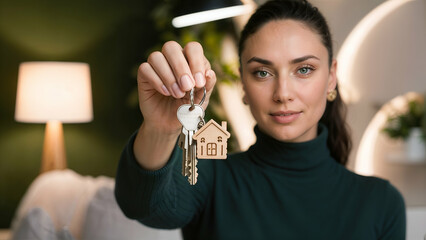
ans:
x=54 y=93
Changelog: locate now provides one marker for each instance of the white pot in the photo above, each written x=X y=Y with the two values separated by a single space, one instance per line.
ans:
x=415 y=147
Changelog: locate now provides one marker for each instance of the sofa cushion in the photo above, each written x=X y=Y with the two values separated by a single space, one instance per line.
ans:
x=64 y=195
x=105 y=221
x=37 y=225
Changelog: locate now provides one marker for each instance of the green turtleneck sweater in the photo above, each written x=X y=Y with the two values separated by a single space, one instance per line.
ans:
x=275 y=190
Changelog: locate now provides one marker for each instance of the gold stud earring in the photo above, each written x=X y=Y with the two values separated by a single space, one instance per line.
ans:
x=245 y=100
x=331 y=96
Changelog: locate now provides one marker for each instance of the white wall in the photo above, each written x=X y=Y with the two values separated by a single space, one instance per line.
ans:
x=343 y=15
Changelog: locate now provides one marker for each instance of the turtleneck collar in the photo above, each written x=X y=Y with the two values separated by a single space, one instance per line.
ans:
x=291 y=156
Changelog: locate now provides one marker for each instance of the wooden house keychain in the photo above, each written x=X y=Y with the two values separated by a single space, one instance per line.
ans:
x=199 y=139
x=212 y=140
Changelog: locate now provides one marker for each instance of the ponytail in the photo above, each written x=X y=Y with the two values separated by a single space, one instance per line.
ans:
x=339 y=141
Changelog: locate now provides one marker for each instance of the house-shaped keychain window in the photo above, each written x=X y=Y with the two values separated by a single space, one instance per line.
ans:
x=212 y=141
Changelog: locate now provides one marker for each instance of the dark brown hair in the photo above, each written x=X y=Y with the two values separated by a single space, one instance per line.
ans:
x=334 y=117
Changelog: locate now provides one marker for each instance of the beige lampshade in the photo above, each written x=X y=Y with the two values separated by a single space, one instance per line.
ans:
x=54 y=91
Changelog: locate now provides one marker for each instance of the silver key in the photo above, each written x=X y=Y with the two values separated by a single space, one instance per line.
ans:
x=181 y=144
x=192 y=172
x=192 y=178
x=189 y=116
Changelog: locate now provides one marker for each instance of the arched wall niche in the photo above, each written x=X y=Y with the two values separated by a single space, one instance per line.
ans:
x=383 y=57
x=385 y=157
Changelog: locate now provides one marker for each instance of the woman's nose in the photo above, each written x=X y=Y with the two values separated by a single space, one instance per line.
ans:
x=283 y=91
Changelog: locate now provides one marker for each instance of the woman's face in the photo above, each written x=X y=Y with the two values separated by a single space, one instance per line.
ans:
x=286 y=77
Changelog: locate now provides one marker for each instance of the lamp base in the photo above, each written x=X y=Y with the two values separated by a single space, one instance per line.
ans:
x=54 y=156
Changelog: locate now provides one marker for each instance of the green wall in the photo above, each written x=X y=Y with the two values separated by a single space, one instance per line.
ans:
x=113 y=37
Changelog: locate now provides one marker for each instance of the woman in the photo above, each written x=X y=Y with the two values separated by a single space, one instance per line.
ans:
x=291 y=184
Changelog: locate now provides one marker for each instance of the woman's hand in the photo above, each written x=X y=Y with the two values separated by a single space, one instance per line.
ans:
x=163 y=85
x=166 y=78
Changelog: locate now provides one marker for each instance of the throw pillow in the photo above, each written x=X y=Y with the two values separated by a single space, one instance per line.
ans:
x=37 y=225
x=105 y=221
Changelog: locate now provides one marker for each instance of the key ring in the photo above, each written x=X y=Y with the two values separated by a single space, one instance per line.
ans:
x=191 y=94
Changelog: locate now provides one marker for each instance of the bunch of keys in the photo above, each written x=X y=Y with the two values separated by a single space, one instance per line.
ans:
x=191 y=116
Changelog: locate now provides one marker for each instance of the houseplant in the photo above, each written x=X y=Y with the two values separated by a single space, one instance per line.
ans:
x=410 y=126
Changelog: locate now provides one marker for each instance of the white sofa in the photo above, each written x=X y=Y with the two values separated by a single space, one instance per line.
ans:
x=63 y=205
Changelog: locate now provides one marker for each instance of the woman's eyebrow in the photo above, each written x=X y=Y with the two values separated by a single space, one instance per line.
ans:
x=260 y=60
x=294 y=61
x=302 y=59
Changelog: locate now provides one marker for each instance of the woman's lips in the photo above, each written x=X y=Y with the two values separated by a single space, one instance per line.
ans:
x=285 y=117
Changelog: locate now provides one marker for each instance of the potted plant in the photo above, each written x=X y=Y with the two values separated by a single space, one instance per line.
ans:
x=410 y=125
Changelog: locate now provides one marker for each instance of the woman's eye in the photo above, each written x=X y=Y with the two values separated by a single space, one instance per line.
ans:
x=261 y=74
x=305 y=70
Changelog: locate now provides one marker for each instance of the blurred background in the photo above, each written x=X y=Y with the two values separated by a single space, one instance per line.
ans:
x=114 y=37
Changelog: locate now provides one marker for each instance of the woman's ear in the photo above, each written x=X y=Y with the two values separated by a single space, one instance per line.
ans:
x=245 y=101
x=332 y=77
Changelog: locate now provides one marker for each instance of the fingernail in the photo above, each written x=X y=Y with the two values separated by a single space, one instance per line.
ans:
x=199 y=79
x=210 y=73
x=177 y=92
x=165 y=91
x=186 y=82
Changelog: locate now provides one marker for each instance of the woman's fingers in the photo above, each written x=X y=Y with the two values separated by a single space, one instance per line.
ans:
x=164 y=72
x=198 y=63
x=148 y=78
x=211 y=80
x=175 y=71
x=173 y=52
x=210 y=77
